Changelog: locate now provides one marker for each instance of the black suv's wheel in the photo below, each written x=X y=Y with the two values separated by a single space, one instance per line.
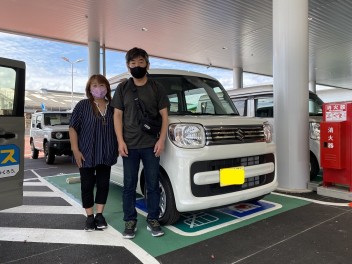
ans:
x=35 y=152
x=168 y=211
x=49 y=154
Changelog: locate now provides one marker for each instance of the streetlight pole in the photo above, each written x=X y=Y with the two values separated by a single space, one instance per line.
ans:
x=79 y=60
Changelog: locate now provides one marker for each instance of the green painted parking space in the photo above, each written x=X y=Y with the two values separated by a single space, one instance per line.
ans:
x=198 y=223
x=191 y=228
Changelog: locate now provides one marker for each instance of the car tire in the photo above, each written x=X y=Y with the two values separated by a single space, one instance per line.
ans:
x=35 y=152
x=168 y=212
x=48 y=153
x=314 y=166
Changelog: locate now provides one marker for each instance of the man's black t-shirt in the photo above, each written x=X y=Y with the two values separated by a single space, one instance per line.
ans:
x=154 y=99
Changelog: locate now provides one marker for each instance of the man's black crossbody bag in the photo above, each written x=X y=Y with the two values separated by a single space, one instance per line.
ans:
x=148 y=124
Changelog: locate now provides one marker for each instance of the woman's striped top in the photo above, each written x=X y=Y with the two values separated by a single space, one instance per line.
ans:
x=96 y=137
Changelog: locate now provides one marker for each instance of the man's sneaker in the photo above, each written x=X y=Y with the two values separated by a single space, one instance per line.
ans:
x=90 y=224
x=100 y=221
x=130 y=229
x=154 y=226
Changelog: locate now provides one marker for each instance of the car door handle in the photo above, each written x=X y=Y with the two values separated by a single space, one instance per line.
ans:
x=7 y=135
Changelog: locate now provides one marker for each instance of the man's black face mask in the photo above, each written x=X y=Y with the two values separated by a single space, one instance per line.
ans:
x=138 y=72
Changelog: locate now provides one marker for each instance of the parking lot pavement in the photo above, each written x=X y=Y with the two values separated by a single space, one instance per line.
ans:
x=48 y=228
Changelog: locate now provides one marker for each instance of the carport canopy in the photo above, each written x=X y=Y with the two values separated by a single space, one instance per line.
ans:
x=310 y=38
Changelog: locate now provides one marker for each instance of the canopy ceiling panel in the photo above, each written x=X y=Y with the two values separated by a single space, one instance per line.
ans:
x=220 y=33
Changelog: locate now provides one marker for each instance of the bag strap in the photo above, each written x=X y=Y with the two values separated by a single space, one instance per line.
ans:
x=137 y=102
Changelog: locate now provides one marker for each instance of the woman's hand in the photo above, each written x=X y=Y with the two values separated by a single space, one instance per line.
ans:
x=78 y=157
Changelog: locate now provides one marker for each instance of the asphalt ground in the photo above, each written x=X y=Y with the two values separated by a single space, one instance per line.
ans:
x=48 y=228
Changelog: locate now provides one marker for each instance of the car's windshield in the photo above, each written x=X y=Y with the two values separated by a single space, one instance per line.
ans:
x=315 y=105
x=191 y=95
x=52 y=119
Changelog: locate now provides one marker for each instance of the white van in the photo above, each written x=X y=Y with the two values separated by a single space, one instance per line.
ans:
x=205 y=137
x=258 y=101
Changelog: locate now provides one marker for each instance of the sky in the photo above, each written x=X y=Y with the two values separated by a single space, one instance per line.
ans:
x=45 y=68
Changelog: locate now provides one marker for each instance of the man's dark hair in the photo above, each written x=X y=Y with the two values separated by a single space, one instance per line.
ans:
x=136 y=52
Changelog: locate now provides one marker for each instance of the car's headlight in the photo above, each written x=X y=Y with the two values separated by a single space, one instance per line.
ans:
x=314 y=130
x=268 y=132
x=187 y=135
x=58 y=135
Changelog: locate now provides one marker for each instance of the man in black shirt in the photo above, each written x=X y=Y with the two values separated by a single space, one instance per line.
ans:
x=135 y=144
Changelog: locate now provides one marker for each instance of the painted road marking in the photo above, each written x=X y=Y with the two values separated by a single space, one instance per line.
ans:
x=313 y=200
x=34 y=184
x=41 y=235
x=195 y=224
x=41 y=194
x=136 y=250
x=44 y=209
x=108 y=237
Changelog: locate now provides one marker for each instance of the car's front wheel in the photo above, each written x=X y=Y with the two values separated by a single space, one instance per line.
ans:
x=167 y=205
x=49 y=154
x=35 y=152
x=168 y=212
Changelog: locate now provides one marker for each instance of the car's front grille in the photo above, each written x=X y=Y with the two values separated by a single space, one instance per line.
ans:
x=221 y=135
x=216 y=189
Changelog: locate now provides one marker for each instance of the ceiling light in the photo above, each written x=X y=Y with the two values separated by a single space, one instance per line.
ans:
x=144 y=29
x=224 y=48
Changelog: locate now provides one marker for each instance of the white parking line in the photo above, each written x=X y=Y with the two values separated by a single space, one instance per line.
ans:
x=34 y=184
x=104 y=238
x=41 y=169
x=41 y=194
x=42 y=209
x=109 y=236
x=313 y=200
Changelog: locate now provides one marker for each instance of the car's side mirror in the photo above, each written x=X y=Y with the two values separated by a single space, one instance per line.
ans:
x=39 y=125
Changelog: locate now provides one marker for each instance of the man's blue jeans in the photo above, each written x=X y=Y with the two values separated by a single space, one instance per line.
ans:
x=151 y=175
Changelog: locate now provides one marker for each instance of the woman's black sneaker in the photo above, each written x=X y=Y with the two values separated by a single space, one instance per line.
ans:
x=100 y=221
x=90 y=224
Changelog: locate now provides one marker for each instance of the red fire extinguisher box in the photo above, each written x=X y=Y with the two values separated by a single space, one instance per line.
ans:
x=336 y=144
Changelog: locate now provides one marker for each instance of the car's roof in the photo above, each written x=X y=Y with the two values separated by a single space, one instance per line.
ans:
x=127 y=75
x=253 y=90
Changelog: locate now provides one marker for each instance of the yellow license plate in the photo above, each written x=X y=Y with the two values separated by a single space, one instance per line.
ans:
x=232 y=176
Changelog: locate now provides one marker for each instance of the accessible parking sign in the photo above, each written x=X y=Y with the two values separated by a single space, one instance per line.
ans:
x=198 y=223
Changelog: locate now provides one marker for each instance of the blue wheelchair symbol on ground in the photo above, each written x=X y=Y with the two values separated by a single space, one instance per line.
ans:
x=9 y=160
x=194 y=224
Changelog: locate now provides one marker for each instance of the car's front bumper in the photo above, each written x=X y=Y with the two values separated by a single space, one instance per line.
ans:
x=60 y=147
x=194 y=174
